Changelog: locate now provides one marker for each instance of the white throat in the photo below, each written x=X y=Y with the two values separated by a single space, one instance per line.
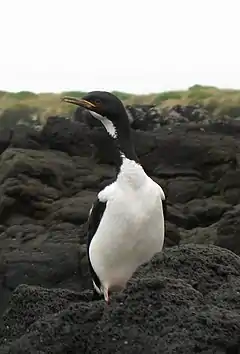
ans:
x=110 y=128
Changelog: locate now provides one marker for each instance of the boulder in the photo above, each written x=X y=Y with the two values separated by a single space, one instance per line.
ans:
x=186 y=300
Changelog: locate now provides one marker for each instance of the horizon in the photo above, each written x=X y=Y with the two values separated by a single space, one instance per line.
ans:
x=125 y=92
x=141 y=49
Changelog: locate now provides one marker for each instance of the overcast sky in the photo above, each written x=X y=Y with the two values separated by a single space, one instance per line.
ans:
x=130 y=45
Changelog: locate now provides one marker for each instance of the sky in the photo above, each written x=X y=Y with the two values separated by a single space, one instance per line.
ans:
x=134 y=46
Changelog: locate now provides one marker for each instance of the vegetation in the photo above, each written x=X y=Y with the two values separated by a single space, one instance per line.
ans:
x=14 y=106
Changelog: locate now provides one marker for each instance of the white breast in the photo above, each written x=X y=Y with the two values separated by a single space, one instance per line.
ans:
x=132 y=228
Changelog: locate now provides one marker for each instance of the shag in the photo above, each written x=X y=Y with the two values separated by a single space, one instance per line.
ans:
x=126 y=222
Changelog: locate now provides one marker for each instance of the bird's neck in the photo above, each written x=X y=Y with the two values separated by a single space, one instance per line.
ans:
x=121 y=137
x=124 y=146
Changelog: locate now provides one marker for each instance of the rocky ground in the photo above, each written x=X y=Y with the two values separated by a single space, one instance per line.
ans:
x=186 y=300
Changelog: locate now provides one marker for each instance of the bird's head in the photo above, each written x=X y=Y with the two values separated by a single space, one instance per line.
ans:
x=103 y=106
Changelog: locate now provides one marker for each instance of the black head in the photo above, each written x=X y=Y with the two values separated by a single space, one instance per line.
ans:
x=110 y=111
x=103 y=104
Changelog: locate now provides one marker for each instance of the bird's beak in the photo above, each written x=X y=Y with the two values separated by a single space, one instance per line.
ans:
x=79 y=102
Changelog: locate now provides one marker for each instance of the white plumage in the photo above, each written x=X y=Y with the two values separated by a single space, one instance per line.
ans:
x=131 y=230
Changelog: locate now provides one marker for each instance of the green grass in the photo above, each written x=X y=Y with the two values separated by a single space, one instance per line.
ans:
x=218 y=101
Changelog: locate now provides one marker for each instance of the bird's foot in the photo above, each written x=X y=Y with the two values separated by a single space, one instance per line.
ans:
x=106 y=296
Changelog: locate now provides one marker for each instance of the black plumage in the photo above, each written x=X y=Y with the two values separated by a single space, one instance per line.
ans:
x=94 y=219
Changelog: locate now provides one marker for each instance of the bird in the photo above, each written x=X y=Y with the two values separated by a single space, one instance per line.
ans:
x=125 y=226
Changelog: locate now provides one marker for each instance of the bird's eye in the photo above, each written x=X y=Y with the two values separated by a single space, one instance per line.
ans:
x=98 y=102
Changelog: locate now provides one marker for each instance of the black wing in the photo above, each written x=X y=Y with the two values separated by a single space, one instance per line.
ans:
x=94 y=219
x=164 y=204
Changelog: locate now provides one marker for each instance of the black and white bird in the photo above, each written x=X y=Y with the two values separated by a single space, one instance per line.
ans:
x=126 y=222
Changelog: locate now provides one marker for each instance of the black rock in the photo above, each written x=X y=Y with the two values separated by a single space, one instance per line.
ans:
x=186 y=300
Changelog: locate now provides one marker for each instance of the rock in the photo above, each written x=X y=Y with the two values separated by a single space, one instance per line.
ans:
x=148 y=117
x=172 y=235
x=65 y=135
x=227 y=126
x=5 y=138
x=228 y=230
x=25 y=137
x=46 y=263
x=229 y=185
x=47 y=184
x=24 y=232
x=195 y=113
x=199 y=235
x=207 y=211
x=185 y=300
x=74 y=234
x=74 y=210
x=31 y=180
x=83 y=115
x=182 y=190
x=144 y=117
x=176 y=216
